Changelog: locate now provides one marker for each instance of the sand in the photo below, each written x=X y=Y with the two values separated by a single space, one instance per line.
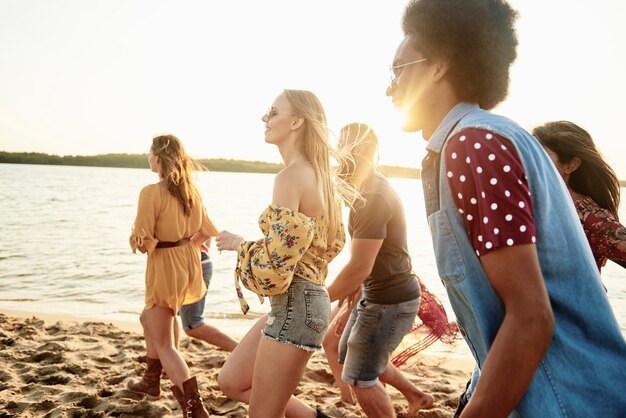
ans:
x=67 y=368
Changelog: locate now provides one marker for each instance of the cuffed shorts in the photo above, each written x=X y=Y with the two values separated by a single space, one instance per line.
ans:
x=371 y=335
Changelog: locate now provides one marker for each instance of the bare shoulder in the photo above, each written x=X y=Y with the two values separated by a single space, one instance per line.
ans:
x=292 y=183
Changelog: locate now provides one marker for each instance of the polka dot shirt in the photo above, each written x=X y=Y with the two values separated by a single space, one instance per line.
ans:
x=490 y=188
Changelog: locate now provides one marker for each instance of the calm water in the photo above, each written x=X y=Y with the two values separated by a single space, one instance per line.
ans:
x=64 y=240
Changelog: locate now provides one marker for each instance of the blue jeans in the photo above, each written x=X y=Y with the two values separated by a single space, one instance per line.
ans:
x=371 y=334
x=300 y=316
x=192 y=315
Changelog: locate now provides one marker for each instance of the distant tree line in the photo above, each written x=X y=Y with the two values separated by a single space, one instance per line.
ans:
x=103 y=160
x=131 y=161
x=140 y=161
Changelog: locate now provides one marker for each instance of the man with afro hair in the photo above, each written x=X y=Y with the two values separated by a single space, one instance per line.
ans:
x=510 y=249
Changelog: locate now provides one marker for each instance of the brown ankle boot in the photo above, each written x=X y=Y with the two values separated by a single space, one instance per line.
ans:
x=180 y=397
x=150 y=384
x=190 y=402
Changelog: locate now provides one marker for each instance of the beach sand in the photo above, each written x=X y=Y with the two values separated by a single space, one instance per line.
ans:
x=54 y=367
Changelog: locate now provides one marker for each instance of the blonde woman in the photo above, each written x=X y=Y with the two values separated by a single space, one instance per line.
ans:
x=303 y=232
x=171 y=225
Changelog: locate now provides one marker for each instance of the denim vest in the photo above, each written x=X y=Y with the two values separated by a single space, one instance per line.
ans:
x=583 y=373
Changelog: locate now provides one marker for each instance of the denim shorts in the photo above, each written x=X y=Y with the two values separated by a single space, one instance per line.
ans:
x=192 y=315
x=369 y=338
x=299 y=317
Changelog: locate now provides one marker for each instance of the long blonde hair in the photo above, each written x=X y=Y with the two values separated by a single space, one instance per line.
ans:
x=318 y=150
x=176 y=167
x=356 y=139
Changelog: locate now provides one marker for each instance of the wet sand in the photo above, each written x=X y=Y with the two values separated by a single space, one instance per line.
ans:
x=67 y=367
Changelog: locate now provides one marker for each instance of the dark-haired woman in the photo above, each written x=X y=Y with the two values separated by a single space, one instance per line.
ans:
x=593 y=185
x=170 y=226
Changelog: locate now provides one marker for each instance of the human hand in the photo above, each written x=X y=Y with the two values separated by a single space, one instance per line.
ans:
x=341 y=319
x=228 y=241
x=351 y=299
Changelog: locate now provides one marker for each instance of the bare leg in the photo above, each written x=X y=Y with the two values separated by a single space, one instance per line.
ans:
x=375 y=401
x=151 y=350
x=212 y=335
x=275 y=403
x=160 y=322
x=236 y=376
x=176 y=329
x=331 y=349
x=417 y=399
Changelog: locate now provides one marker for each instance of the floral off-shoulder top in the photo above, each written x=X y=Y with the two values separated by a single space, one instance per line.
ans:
x=606 y=235
x=293 y=245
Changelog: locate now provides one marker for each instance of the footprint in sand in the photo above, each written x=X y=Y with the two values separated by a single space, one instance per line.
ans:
x=48 y=370
x=29 y=378
x=16 y=407
x=144 y=409
x=46 y=357
x=55 y=379
x=76 y=369
x=116 y=379
x=88 y=402
x=443 y=388
x=7 y=341
x=54 y=329
x=321 y=375
x=105 y=362
x=5 y=380
x=43 y=406
x=105 y=393
x=51 y=346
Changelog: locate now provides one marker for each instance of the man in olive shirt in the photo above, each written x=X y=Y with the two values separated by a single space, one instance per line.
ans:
x=380 y=269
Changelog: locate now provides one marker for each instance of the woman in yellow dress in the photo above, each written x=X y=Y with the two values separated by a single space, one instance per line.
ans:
x=170 y=227
x=302 y=233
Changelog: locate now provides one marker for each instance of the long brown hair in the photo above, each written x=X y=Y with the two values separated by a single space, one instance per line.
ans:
x=175 y=167
x=595 y=177
x=318 y=150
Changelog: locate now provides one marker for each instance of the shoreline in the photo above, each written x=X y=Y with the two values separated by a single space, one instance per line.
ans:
x=61 y=365
x=237 y=327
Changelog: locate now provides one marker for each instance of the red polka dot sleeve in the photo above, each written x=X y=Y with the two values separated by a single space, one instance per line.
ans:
x=490 y=188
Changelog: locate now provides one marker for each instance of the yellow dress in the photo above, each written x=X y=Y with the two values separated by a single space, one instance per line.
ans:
x=173 y=275
x=293 y=245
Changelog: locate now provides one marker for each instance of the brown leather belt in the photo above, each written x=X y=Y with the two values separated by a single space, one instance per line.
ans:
x=170 y=244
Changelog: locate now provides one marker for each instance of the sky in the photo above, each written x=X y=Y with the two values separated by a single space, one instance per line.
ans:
x=103 y=76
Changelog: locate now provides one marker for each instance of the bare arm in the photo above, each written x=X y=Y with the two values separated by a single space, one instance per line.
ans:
x=523 y=337
x=363 y=254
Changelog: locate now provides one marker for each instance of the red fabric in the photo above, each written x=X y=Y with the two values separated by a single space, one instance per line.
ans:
x=434 y=324
x=490 y=188
x=607 y=237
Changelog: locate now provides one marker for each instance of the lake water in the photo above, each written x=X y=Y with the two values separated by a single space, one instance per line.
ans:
x=64 y=240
